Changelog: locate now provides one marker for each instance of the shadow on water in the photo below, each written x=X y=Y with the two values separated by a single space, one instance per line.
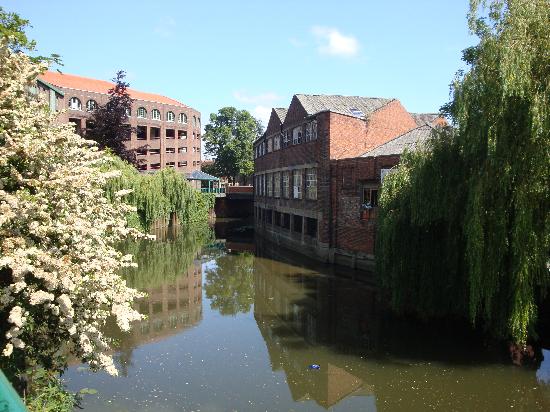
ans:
x=284 y=313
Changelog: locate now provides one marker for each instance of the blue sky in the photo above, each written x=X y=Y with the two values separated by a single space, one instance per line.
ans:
x=256 y=54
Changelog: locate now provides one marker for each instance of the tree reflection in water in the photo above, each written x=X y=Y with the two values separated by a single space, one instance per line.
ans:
x=169 y=272
x=230 y=284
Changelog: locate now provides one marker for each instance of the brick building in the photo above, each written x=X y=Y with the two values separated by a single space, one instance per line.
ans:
x=317 y=165
x=168 y=133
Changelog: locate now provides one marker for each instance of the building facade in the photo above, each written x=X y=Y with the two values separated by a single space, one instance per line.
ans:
x=167 y=132
x=315 y=183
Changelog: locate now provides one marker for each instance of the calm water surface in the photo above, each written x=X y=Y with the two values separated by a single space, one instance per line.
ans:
x=234 y=325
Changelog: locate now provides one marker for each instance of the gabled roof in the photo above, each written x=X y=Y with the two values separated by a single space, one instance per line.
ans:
x=200 y=175
x=50 y=86
x=422 y=119
x=281 y=113
x=70 y=81
x=347 y=105
x=413 y=138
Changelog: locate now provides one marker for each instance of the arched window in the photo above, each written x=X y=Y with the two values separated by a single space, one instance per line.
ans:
x=74 y=103
x=91 y=105
x=199 y=122
x=194 y=121
x=142 y=113
x=155 y=114
x=129 y=112
x=182 y=118
x=170 y=116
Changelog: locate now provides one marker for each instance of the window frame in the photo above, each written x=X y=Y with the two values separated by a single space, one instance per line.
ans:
x=77 y=100
x=91 y=102
x=154 y=112
x=141 y=110
x=297 y=183
x=311 y=184
x=170 y=116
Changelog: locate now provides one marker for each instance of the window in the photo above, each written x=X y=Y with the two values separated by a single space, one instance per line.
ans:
x=91 y=105
x=170 y=116
x=314 y=130
x=307 y=136
x=142 y=132
x=297 y=135
x=297 y=184
x=285 y=138
x=277 y=184
x=155 y=166
x=199 y=122
x=170 y=164
x=276 y=142
x=182 y=164
x=155 y=114
x=311 y=184
x=142 y=113
x=356 y=112
x=182 y=150
x=170 y=150
x=128 y=112
x=286 y=184
x=269 y=184
x=170 y=133
x=182 y=135
x=155 y=132
x=154 y=151
x=74 y=103
x=269 y=145
x=142 y=167
x=182 y=118
x=370 y=197
x=141 y=152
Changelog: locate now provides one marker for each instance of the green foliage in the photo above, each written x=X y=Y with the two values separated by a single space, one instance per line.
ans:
x=229 y=137
x=48 y=394
x=464 y=226
x=230 y=285
x=159 y=195
x=164 y=260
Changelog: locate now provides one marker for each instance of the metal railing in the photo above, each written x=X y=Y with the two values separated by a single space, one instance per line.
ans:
x=212 y=189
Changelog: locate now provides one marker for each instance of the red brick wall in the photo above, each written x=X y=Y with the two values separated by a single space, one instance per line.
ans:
x=386 y=124
x=161 y=143
x=349 y=230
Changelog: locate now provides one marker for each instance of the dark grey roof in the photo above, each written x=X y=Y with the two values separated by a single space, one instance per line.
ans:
x=281 y=113
x=413 y=138
x=200 y=175
x=348 y=105
x=424 y=118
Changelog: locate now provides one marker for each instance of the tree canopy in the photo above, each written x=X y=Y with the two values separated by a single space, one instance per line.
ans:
x=229 y=137
x=464 y=225
x=110 y=121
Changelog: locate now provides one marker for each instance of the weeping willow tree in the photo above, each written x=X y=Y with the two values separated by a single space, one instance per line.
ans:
x=464 y=223
x=158 y=195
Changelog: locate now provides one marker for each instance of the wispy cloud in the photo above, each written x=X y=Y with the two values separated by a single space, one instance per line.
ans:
x=333 y=43
x=260 y=104
x=165 y=27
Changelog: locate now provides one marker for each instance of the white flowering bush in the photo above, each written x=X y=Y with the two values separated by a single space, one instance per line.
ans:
x=59 y=279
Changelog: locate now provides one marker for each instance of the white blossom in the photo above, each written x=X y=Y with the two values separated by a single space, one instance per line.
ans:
x=57 y=229
x=8 y=350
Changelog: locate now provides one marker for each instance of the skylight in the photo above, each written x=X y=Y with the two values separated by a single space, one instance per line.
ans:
x=356 y=112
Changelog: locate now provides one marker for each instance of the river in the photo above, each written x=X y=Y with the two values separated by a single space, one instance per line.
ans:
x=235 y=324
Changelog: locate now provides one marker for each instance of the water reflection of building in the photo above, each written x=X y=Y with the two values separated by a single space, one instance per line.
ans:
x=170 y=307
x=307 y=320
